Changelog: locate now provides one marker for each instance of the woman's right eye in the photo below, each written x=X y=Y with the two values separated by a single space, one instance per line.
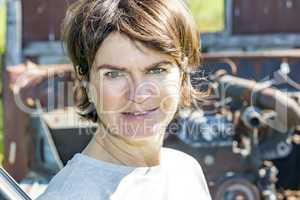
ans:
x=113 y=74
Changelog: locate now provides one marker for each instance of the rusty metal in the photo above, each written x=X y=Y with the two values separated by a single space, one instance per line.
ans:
x=18 y=146
x=265 y=64
x=267 y=98
x=210 y=158
x=289 y=195
x=265 y=16
x=42 y=19
x=69 y=133
x=254 y=55
x=238 y=188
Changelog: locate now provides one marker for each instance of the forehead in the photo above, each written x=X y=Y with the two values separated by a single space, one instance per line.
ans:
x=119 y=50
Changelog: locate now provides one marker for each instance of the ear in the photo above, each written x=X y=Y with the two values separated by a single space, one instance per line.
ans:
x=87 y=90
x=91 y=92
x=79 y=73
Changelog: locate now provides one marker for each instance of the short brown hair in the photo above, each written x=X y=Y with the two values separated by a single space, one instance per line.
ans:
x=163 y=25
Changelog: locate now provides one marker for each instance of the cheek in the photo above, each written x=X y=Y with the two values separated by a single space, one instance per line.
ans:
x=111 y=96
x=170 y=95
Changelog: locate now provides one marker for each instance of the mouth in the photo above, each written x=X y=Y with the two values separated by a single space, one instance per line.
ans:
x=139 y=114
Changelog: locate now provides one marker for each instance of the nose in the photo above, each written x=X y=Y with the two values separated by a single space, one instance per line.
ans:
x=140 y=91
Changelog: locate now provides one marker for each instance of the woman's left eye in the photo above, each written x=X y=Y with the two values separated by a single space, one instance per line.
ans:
x=157 y=71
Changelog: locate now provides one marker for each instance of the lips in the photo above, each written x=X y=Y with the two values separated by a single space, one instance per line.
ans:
x=140 y=113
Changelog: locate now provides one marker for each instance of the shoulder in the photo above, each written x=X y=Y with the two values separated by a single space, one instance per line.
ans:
x=184 y=162
x=187 y=168
x=173 y=155
x=66 y=184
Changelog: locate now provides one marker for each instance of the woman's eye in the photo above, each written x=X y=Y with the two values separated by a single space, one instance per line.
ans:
x=157 y=71
x=113 y=74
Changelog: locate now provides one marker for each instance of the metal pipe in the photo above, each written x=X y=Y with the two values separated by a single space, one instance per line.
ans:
x=10 y=188
x=257 y=94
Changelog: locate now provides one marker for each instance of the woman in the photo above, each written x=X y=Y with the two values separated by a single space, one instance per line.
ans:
x=132 y=59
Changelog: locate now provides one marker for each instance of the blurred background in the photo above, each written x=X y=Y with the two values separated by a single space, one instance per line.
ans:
x=245 y=134
x=2 y=49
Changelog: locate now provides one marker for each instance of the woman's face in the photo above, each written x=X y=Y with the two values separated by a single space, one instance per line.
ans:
x=135 y=89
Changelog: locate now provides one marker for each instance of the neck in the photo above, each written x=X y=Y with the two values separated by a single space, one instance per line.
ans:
x=125 y=151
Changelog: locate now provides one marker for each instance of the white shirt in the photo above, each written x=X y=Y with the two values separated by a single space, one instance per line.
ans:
x=179 y=176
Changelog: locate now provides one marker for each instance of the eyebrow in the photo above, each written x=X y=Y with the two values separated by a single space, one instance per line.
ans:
x=152 y=66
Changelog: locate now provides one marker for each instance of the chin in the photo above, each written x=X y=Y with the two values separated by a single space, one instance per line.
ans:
x=140 y=128
x=138 y=132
